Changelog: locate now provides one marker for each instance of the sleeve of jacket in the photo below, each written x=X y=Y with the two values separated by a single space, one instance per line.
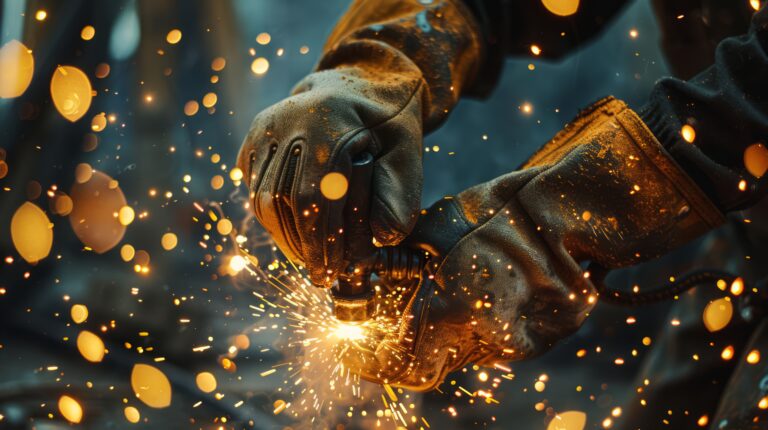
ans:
x=513 y=28
x=726 y=110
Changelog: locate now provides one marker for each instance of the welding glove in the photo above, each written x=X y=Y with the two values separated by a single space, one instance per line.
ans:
x=507 y=277
x=391 y=71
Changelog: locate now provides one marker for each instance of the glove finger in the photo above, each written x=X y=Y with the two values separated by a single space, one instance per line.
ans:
x=271 y=201
x=319 y=208
x=397 y=180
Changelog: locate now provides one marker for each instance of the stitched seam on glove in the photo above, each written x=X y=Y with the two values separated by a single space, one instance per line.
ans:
x=285 y=214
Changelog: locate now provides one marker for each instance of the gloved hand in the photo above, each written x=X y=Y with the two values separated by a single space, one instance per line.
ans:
x=391 y=71
x=506 y=279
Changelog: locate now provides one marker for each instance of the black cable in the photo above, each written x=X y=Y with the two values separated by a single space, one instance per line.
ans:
x=665 y=292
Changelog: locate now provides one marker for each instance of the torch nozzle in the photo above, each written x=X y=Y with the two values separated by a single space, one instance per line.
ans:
x=353 y=295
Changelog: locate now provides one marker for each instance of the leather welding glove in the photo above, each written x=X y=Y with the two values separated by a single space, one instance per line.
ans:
x=391 y=71
x=506 y=279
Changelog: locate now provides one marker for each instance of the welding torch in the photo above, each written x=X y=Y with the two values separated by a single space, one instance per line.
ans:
x=352 y=293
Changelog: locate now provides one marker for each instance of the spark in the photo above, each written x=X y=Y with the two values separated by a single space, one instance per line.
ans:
x=349 y=331
x=688 y=133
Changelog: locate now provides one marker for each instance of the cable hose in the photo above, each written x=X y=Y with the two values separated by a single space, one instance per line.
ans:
x=661 y=293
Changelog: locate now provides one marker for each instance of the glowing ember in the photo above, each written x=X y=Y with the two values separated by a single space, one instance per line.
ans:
x=263 y=38
x=99 y=122
x=173 y=37
x=260 y=66
x=237 y=263
x=756 y=160
x=88 y=32
x=90 y=346
x=127 y=252
x=717 y=314
x=18 y=66
x=93 y=218
x=31 y=232
x=102 y=70
x=763 y=403
x=279 y=406
x=218 y=64
x=169 y=241
x=132 y=414
x=210 y=99
x=217 y=182
x=333 y=186
x=83 y=173
x=236 y=174
x=224 y=226
x=737 y=287
x=349 y=331
x=526 y=108
x=206 y=382
x=561 y=7
x=70 y=409
x=151 y=386
x=126 y=215
x=71 y=92
x=688 y=133
x=727 y=353
x=79 y=313
x=191 y=108
x=62 y=204
x=570 y=420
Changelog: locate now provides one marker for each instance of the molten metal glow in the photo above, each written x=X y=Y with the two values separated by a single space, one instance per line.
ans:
x=237 y=263
x=350 y=331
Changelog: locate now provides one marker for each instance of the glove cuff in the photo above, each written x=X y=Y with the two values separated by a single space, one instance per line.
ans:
x=611 y=194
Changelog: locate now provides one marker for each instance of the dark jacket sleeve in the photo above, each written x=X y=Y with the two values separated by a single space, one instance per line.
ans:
x=727 y=108
x=513 y=27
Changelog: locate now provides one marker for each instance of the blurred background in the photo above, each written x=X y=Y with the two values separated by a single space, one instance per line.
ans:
x=169 y=110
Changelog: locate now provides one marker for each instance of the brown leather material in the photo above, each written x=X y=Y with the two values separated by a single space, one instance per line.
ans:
x=391 y=71
x=512 y=283
x=611 y=194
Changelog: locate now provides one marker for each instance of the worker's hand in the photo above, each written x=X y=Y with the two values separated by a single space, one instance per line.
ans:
x=492 y=293
x=507 y=278
x=294 y=145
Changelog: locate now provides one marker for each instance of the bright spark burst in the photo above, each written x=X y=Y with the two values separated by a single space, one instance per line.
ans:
x=350 y=331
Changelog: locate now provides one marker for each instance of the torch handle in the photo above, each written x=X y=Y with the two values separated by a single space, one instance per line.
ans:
x=359 y=252
x=359 y=243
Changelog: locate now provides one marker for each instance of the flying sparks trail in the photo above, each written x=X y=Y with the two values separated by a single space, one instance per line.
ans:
x=317 y=384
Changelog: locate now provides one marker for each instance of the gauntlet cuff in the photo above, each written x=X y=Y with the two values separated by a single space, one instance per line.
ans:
x=611 y=194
